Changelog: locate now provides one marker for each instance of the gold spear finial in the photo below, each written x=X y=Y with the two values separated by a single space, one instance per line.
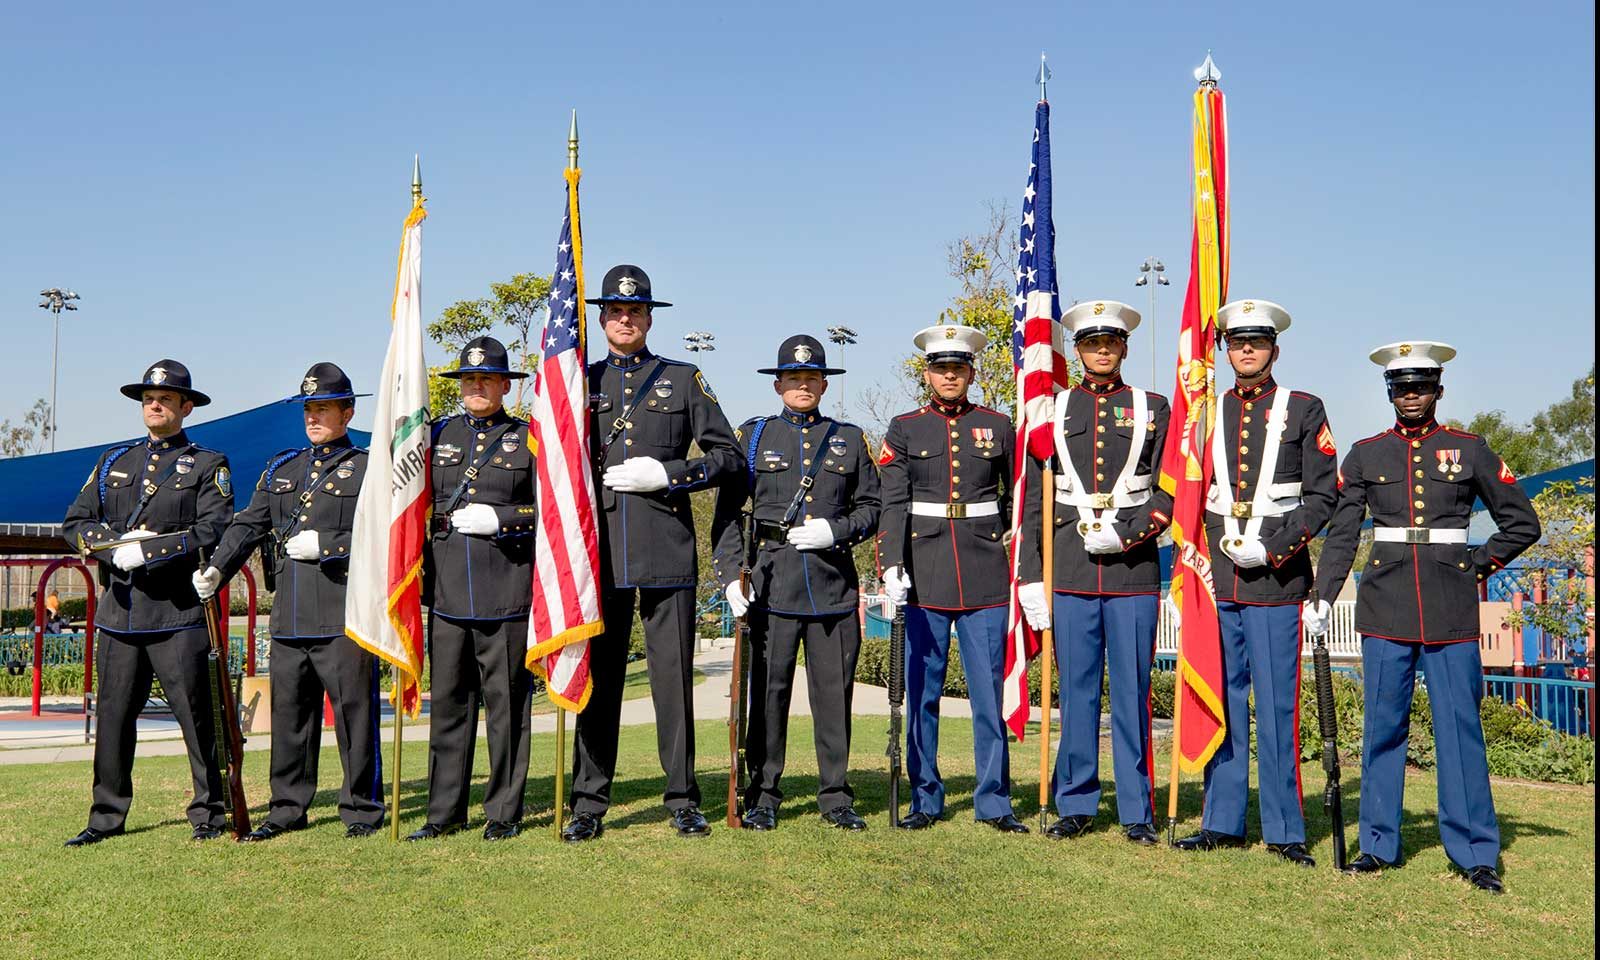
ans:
x=572 y=143
x=416 y=178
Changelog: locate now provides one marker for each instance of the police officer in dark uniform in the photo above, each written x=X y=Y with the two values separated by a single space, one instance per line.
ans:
x=300 y=516
x=1108 y=513
x=647 y=412
x=146 y=512
x=1417 y=606
x=1274 y=462
x=813 y=490
x=946 y=473
x=478 y=584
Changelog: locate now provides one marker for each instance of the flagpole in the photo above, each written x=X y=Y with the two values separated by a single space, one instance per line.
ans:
x=561 y=715
x=1047 y=645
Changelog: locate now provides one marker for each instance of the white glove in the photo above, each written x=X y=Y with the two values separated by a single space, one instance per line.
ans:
x=1317 y=617
x=1173 y=612
x=206 y=582
x=302 y=546
x=814 y=534
x=475 y=520
x=738 y=600
x=1252 y=553
x=897 y=585
x=1102 y=541
x=130 y=556
x=1035 y=605
x=636 y=475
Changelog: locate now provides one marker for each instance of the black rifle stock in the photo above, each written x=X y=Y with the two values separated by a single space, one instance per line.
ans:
x=225 y=719
x=1328 y=722
x=897 y=693
x=738 y=689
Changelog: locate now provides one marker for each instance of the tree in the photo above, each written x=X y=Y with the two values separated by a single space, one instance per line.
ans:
x=1561 y=434
x=31 y=435
x=1554 y=573
x=514 y=312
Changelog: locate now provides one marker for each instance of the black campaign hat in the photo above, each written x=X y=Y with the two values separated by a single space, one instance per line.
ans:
x=166 y=375
x=801 y=352
x=325 y=381
x=484 y=355
x=626 y=283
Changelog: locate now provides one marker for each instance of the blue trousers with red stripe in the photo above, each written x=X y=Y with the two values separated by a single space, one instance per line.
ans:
x=982 y=636
x=1454 y=675
x=1260 y=648
x=1092 y=634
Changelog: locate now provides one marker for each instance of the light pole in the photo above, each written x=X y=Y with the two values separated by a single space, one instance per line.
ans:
x=843 y=336
x=699 y=341
x=56 y=300
x=1152 y=268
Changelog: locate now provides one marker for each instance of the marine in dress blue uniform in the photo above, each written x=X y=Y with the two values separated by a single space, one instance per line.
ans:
x=1274 y=463
x=1109 y=512
x=300 y=517
x=477 y=573
x=812 y=488
x=145 y=513
x=946 y=472
x=646 y=413
x=1417 y=606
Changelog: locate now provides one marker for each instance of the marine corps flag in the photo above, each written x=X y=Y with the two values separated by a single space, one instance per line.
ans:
x=383 y=603
x=1199 y=724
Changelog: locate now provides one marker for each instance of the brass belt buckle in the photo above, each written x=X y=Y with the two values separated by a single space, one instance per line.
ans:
x=1102 y=501
x=1241 y=511
x=955 y=511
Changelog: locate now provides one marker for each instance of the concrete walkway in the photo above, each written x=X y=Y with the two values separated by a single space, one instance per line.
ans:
x=57 y=736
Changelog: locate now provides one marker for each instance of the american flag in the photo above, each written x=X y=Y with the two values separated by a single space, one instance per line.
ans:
x=1041 y=370
x=566 y=588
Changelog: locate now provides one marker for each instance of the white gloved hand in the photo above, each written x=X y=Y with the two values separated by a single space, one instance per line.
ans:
x=636 y=475
x=897 y=585
x=1173 y=612
x=206 y=582
x=475 y=520
x=1248 y=555
x=1102 y=541
x=738 y=600
x=1035 y=605
x=1317 y=617
x=130 y=556
x=814 y=534
x=303 y=545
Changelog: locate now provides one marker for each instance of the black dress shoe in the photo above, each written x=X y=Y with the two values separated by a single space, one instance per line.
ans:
x=500 y=830
x=270 y=829
x=1141 y=833
x=433 y=831
x=358 y=830
x=1209 y=840
x=759 y=818
x=1295 y=853
x=1367 y=863
x=90 y=836
x=1485 y=878
x=1007 y=823
x=582 y=826
x=917 y=820
x=690 y=822
x=206 y=831
x=845 y=818
x=1069 y=828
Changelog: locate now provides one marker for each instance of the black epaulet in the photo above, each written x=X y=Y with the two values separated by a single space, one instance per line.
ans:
x=438 y=427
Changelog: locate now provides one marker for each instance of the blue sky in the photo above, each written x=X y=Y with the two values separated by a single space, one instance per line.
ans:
x=225 y=186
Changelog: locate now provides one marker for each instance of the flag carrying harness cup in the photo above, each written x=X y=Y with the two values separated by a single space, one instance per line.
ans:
x=1127 y=491
x=1241 y=519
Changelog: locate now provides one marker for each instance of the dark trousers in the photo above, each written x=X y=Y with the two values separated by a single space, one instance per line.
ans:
x=832 y=644
x=302 y=670
x=477 y=664
x=128 y=662
x=981 y=634
x=668 y=617
x=1117 y=635
x=1260 y=648
x=1454 y=675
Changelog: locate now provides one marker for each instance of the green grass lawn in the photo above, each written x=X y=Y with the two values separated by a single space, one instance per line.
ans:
x=805 y=890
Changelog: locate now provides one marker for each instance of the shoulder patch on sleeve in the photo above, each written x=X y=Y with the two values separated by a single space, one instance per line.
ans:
x=705 y=387
x=224 y=482
x=1506 y=476
x=1325 y=441
x=884 y=453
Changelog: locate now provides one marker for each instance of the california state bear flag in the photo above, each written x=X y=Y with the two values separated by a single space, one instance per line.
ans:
x=383 y=603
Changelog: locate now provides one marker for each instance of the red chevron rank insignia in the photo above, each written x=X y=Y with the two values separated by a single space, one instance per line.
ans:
x=1506 y=476
x=884 y=453
x=1325 y=441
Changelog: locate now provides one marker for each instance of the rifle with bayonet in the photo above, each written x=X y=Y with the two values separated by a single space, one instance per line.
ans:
x=1328 y=723
x=738 y=691
x=225 y=718
x=897 y=692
